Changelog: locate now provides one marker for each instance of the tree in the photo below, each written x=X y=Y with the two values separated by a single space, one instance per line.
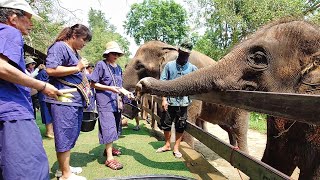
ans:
x=44 y=32
x=162 y=20
x=103 y=32
x=229 y=21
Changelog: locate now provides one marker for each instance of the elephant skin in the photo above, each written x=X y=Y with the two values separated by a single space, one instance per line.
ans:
x=282 y=56
x=151 y=58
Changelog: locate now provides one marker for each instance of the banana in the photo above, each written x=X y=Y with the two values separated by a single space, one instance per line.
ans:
x=68 y=95
x=65 y=97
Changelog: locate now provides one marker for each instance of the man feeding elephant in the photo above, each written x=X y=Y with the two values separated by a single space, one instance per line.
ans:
x=175 y=108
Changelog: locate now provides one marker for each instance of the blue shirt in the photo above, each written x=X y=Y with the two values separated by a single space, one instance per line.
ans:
x=171 y=71
x=102 y=75
x=59 y=54
x=15 y=99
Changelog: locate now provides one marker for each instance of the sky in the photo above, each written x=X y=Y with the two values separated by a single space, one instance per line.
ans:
x=115 y=11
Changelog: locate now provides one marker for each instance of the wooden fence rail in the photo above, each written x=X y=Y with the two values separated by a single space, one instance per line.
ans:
x=249 y=165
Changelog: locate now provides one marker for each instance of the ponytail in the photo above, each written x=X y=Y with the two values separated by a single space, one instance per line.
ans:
x=77 y=30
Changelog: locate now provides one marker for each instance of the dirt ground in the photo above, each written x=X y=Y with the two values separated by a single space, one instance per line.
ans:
x=256 y=143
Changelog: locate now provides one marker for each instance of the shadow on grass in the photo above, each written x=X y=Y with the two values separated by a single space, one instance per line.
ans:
x=77 y=160
x=140 y=158
x=129 y=130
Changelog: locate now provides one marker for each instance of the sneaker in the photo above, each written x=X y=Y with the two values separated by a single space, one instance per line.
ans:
x=136 y=128
x=74 y=170
x=73 y=177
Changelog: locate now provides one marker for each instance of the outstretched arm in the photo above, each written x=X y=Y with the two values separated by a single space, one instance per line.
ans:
x=13 y=75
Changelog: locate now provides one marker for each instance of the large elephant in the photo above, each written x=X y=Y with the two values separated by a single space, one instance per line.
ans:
x=282 y=56
x=148 y=61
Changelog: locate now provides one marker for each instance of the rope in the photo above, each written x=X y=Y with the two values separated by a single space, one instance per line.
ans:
x=284 y=131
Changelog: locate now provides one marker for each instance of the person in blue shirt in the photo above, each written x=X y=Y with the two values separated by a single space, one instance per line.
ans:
x=175 y=108
x=66 y=70
x=22 y=155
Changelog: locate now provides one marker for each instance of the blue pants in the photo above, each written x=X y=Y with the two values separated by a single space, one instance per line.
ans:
x=66 y=125
x=109 y=126
x=22 y=156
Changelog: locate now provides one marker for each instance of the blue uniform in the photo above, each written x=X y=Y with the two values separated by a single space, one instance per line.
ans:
x=109 y=116
x=67 y=117
x=21 y=150
x=45 y=115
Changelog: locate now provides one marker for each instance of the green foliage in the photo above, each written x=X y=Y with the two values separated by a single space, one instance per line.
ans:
x=162 y=20
x=229 y=21
x=258 y=122
x=44 y=32
x=103 y=32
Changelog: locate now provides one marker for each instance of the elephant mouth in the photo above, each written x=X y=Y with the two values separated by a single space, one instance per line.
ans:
x=249 y=86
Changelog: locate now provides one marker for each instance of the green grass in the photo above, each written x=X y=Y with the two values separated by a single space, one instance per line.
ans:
x=138 y=155
x=258 y=122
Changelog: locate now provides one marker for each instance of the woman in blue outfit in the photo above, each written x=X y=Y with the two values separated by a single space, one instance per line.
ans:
x=107 y=80
x=45 y=115
x=22 y=156
x=65 y=68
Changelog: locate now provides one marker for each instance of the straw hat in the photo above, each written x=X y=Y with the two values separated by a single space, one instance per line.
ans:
x=21 y=5
x=29 y=60
x=112 y=46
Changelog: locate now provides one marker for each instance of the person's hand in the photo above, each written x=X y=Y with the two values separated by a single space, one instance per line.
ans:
x=164 y=105
x=83 y=63
x=114 y=89
x=51 y=91
x=41 y=66
x=127 y=93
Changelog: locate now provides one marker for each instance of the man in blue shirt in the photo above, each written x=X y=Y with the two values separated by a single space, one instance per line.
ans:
x=175 y=108
x=22 y=155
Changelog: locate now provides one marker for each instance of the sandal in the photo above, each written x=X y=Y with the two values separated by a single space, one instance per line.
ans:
x=115 y=152
x=177 y=154
x=113 y=164
x=162 y=149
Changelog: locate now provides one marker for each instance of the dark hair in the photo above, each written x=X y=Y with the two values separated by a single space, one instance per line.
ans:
x=77 y=30
x=5 y=13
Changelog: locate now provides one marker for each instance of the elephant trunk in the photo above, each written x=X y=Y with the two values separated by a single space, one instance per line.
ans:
x=220 y=76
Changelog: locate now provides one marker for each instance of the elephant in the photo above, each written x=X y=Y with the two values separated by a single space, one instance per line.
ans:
x=150 y=59
x=281 y=56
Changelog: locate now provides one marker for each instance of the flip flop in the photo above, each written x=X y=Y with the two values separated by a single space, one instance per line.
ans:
x=160 y=150
x=177 y=154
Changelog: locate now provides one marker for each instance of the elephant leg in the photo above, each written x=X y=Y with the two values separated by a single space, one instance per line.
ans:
x=310 y=165
x=240 y=129
x=232 y=136
x=278 y=153
x=202 y=124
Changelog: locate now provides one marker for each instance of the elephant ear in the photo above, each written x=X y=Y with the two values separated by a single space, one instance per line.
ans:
x=170 y=53
x=310 y=76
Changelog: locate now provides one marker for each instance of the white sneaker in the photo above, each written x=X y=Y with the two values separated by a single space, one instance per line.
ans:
x=74 y=170
x=74 y=177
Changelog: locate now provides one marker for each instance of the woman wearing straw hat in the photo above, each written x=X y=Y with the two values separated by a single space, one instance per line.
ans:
x=107 y=80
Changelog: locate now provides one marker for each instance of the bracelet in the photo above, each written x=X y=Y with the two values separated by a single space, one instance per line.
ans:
x=45 y=85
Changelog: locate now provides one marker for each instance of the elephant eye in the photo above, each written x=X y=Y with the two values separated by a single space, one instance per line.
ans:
x=258 y=59
x=139 y=66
